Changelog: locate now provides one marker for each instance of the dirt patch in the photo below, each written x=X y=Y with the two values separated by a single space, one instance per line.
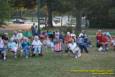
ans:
x=16 y=27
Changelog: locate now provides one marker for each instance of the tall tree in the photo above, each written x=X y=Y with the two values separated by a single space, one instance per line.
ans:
x=19 y=5
x=52 y=5
x=82 y=7
x=4 y=10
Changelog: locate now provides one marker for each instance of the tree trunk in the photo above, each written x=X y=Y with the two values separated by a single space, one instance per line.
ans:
x=61 y=21
x=20 y=12
x=49 y=15
x=78 y=22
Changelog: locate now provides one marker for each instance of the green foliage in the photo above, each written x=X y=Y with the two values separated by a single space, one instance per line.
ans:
x=4 y=10
x=28 y=4
x=99 y=12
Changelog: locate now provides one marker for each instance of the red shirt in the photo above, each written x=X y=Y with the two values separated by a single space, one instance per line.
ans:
x=67 y=39
x=104 y=39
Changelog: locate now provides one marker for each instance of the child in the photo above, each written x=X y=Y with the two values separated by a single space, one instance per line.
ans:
x=74 y=49
x=13 y=46
x=37 y=46
x=26 y=47
x=2 y=49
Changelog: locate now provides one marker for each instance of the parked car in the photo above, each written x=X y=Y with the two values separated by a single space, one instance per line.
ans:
x=18 y=21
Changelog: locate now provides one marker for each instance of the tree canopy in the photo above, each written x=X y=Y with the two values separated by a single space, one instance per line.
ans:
x=99 y=12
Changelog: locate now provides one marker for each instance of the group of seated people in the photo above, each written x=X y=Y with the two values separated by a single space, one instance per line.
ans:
x=104 y=40
x=35 y=45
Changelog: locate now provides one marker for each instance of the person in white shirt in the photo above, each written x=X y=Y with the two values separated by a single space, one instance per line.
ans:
x=74 y=49
x=37 y=46
x=13 y=46
x=83 y=33
x=2 y=49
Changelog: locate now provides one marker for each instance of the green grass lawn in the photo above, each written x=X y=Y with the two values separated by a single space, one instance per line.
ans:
x=51 y=65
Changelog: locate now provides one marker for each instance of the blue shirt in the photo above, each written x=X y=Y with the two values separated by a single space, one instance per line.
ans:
x=12 y=45
x=81 y=41
x=25 y=44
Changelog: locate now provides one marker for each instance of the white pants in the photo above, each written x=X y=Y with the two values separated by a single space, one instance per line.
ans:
x=77 y=52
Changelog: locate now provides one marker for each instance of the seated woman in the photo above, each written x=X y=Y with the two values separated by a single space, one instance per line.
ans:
x=13 y=46
x=74 y=49
x=37 y=46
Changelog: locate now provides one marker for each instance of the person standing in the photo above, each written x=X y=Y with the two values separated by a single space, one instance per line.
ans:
x=34 y=30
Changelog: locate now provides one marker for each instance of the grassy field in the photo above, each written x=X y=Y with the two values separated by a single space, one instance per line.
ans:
x=51 y=65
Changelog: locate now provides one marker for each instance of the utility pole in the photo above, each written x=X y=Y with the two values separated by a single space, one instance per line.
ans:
x=38 y=14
